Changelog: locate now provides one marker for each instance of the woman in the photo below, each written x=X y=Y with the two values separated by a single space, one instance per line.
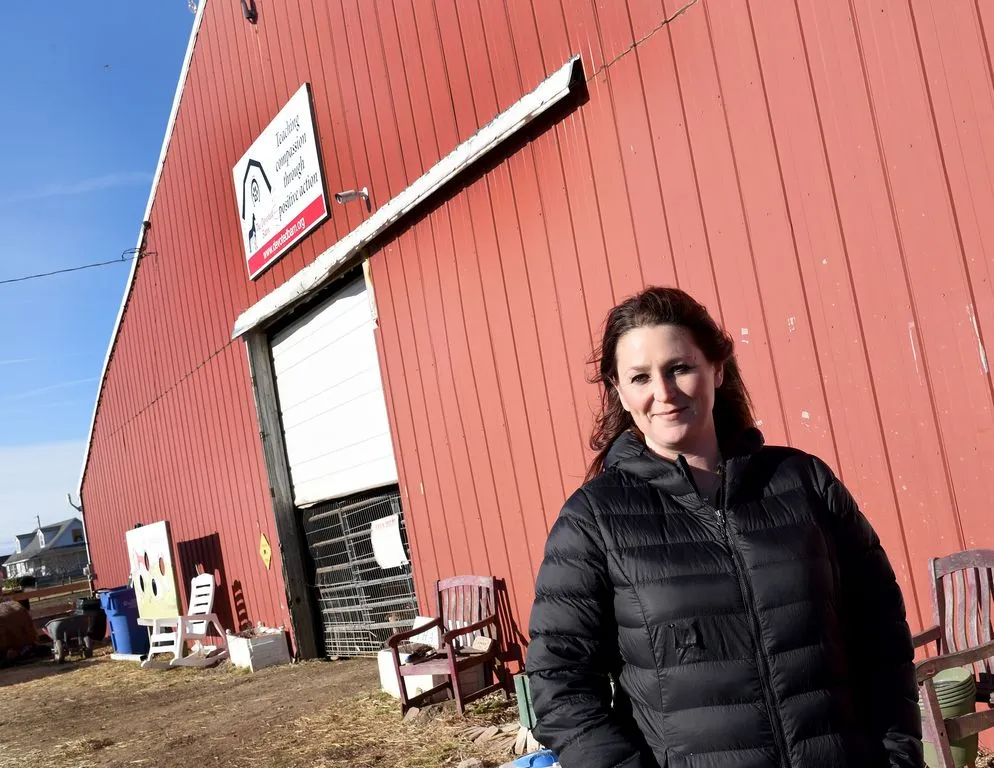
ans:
x=706 y=601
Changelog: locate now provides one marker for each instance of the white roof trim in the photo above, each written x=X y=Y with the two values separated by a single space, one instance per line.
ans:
x=551 y=91
x=184 y=71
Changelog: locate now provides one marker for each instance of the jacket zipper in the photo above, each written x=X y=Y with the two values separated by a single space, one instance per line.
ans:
x=764 y=672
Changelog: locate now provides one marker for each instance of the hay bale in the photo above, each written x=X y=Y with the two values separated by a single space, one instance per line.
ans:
x=17 y=631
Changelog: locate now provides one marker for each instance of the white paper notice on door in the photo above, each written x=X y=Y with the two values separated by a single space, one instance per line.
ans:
x=388 y=546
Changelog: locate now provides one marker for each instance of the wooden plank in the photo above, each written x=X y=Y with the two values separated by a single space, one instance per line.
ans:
x=974 y=558
x=488 y=440
x=968 y=725
x=430 y=507
x=948 y=622
x=240 y=432
x=292 y=545
x=617 y=246
x=884 y=307
x=386 y=172
x=972 y=599
x=400 y=412
x=397 y=98
x=588 y=233
x=72 y=588
x=986 y=575
x=718 y=184
x=926 y=223
x=934 y=727
x=770 y=249
x=960 y=607
x=929 y=668
x=954 y=80
x=519 y=362
x=440 y=309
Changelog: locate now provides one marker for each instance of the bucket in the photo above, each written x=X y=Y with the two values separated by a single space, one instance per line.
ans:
x=956 y=690
x=541 y=759
x=90 y=606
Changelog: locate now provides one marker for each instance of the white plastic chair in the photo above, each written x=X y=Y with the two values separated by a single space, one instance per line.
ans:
x=171 y=635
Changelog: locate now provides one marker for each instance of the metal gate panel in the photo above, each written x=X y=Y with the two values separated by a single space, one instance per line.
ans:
x=360 y=604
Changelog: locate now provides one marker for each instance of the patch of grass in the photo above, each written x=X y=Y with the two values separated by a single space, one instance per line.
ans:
x=443 y=753
x=82 y=747
x=367 y=731
x=494 y=707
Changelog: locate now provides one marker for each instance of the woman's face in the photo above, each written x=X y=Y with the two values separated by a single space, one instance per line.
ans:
x=667 y=384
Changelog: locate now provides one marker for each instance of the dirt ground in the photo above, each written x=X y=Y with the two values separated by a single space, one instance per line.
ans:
x=98 y=712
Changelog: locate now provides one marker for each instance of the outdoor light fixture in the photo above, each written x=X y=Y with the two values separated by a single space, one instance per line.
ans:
x=249 y=10
x=353 y=194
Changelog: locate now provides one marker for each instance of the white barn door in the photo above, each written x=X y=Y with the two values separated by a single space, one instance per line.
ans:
x=331 y=400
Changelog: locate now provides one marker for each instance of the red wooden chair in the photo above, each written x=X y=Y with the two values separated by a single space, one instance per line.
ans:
x=466 y=611
x=962 y=593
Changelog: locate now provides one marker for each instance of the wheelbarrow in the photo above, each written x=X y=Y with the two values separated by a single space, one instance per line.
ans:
x=76 y=631
x=70 y=633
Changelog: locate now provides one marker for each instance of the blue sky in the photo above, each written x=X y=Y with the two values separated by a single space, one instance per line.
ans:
x=86 y=94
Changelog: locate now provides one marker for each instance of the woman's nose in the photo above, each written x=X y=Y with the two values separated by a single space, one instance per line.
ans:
x=665 y=389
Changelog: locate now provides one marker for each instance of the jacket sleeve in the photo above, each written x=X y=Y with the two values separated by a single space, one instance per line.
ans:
x=877 y=635
x=574 y=647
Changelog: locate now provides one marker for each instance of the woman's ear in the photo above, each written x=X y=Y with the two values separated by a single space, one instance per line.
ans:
x=621 y=397
x=719 y=375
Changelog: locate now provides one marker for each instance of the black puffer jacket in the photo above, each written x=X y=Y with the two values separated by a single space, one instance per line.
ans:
x=771 y=633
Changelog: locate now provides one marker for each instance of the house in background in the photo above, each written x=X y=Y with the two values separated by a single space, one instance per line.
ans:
x=58 y=549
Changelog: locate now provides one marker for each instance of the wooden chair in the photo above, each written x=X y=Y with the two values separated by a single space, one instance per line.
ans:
x=466 y=611
x=962 y=593
x=172 y=634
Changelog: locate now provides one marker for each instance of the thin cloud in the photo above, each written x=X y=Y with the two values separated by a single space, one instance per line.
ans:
x=19 y=360
x=44 y=358
x=35 y=407
x=42 y=390
x=69 y=188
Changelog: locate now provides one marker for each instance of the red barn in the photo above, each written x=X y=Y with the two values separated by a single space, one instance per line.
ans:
x=382 y=237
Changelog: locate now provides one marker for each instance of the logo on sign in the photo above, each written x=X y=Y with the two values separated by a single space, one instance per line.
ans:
x=255 y=211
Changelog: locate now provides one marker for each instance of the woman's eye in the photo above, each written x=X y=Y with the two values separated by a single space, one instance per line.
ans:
x=640 y=378
x=679 y=369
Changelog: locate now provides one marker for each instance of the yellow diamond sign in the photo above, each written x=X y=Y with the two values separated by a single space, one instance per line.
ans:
x=265 y=551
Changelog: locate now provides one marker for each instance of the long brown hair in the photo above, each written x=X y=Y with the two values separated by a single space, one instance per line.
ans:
x=666 y=306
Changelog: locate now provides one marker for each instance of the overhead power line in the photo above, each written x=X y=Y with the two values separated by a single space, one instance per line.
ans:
x=128 y=255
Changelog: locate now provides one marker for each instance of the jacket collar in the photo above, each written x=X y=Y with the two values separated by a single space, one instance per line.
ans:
x=630 y=454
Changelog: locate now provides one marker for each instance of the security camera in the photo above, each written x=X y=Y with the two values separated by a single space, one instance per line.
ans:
x=352 y=194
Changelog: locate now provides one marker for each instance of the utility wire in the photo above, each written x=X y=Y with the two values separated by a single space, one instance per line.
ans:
x=128 y=255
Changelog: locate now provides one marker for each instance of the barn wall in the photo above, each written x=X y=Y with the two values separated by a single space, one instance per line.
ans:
x=816 y=173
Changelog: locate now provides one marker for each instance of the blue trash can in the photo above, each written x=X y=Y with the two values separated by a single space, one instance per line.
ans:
x=121 y=607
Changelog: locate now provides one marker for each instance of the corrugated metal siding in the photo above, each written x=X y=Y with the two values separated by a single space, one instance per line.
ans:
x=817 y=173
x=175 y=435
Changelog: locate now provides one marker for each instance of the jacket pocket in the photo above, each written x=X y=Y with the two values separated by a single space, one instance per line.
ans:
x=685 y=641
